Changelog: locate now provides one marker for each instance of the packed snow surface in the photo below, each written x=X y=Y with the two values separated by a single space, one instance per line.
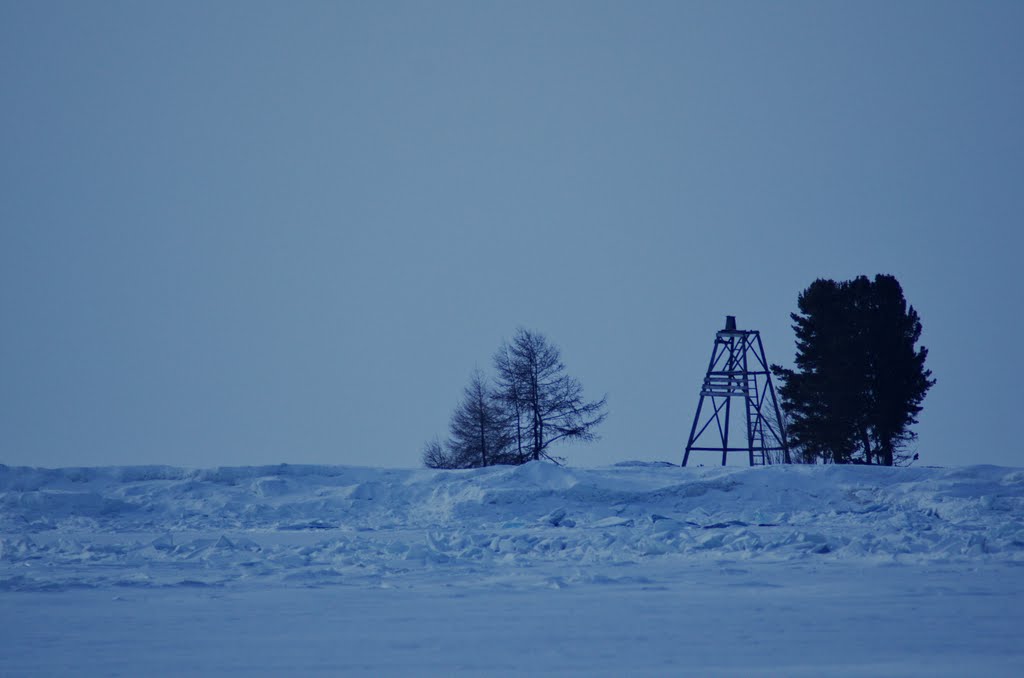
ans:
x=640 y=568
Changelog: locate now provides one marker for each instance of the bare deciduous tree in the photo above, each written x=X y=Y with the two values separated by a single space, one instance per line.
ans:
x=436 y=456
x=533 y=405
x=547 y=402
x=511 y=402
x=477 y=429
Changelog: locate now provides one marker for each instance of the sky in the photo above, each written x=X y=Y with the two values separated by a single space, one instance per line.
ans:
x=245 y=233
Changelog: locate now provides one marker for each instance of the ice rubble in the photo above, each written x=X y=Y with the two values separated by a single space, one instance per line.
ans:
x=316 y=525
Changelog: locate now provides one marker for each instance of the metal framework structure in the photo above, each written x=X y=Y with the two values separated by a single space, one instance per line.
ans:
x=739 y=369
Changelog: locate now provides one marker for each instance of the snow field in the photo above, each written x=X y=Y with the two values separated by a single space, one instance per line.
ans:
x=307 y=525
x=639 y=569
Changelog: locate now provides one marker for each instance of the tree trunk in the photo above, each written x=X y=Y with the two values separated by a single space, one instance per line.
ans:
x=538 y=423
x=483 y=444
x=887 y=454
x=866 y=441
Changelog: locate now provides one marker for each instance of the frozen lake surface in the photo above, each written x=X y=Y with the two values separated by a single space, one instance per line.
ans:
x=637 y=569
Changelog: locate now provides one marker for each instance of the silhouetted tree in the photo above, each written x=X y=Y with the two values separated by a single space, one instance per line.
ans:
x=533 y=405
x=544 y=403
x=898 y=380
x=822 y=396
x=797 y=454
x=436 y=456
x=859 y=381
x=512 y=404
x=478 y=432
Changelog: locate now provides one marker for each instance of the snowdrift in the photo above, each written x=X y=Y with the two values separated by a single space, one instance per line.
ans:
x=535 y=524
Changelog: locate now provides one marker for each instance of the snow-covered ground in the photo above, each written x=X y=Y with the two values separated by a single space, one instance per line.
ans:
x=637 y=569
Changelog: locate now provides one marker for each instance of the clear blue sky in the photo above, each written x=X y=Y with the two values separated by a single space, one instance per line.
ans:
x=247 y=233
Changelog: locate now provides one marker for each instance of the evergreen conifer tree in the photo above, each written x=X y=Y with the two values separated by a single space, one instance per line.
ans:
x=860 y=378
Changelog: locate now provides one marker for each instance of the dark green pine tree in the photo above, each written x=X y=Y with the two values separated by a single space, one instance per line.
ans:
x=859 y=379
x=817 y=395
x=898 y=380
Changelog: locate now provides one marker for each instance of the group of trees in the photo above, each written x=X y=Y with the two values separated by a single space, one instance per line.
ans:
x=857 y=388
x=859 y=379
x=529 y=406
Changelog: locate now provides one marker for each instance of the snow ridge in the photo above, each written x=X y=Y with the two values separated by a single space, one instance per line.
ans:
x=537 y=524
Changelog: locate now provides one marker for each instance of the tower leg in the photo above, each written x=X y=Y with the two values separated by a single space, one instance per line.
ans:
x=748 y=406
x=725 y=434
x=693 y=430
x=783 y=439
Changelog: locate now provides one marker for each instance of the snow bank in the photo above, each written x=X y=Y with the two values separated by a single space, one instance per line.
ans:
x=315 y=525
